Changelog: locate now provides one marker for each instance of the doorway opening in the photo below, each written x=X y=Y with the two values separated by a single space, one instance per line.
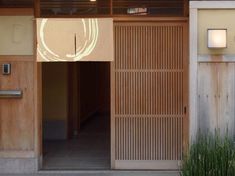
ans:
x=76 y=115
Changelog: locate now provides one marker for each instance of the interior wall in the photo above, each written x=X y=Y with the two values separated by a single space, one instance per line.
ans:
x=94 y=88
x=72 y=93
x=216 y=73
x=55 y=100
x=89 y=92
x=105 y=88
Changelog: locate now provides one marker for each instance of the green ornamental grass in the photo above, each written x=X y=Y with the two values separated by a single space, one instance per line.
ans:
x=210 y=155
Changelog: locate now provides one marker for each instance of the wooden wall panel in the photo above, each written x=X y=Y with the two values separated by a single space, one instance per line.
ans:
x=216 y=97
x=150 y=87
x=207 y=95
x=226 y=95
x=17 y=115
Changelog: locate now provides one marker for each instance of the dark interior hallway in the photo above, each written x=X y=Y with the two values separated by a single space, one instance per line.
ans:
x=76 y=118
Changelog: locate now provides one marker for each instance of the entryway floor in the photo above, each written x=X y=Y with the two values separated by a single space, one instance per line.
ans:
x=101 y=173
x=89 y=151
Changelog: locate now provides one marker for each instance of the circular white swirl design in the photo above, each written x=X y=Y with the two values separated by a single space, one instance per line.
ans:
x=86 y=40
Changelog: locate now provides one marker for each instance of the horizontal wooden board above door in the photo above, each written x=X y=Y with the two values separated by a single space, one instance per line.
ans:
x=112 y=7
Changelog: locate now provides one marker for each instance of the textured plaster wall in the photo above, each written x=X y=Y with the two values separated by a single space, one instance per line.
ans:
x=216 y=19
x=16 y=34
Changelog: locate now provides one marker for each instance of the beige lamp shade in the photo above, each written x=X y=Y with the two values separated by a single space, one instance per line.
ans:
x=88 y=39
x=217 y=38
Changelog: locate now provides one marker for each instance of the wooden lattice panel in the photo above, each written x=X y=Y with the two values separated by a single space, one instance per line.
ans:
x=150 y=99
x=148 y=138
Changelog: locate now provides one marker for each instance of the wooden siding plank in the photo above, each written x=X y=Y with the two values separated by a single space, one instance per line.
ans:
x=226 y=99
x=207 y=97
x=216 y=92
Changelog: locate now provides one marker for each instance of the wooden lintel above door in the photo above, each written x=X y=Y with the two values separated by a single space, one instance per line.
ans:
x=13 y=11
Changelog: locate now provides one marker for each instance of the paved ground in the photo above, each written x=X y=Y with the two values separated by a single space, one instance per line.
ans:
x=98 y=173
x=89 y=151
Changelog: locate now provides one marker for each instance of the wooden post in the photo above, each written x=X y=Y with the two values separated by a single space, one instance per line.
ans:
x=37 y=11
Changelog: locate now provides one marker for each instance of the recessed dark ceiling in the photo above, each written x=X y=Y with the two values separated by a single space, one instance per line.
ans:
x=16 y=3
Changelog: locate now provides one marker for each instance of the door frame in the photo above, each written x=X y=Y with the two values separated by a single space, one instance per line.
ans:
x=38 y=90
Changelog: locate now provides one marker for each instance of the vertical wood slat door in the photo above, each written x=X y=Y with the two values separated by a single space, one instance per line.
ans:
x=149 y=95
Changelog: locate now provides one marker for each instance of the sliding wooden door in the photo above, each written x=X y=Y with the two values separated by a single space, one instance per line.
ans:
x=149 y=94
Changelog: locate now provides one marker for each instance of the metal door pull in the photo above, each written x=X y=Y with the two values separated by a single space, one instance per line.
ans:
x=11 y=93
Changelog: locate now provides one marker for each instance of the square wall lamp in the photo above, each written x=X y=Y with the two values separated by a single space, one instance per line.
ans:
x=217 y=38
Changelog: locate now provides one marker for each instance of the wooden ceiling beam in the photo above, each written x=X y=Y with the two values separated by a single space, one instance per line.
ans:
x=37 y=8
x=14 y=3
x=16 y=11
x=44 y=6
x=186 y=8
